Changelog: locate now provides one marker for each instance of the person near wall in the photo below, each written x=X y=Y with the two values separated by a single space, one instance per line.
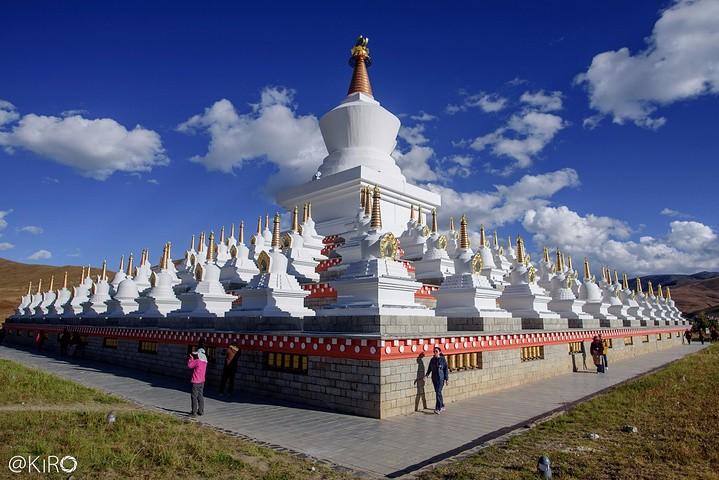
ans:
x=584 y=355
x=197 y=362
x=595 y=350
x=688 y=336
x=439 y=371
x=229 y=369
x=64 y=341
x=605 y=350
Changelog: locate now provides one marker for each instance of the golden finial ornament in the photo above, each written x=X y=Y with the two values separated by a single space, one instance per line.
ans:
x=211 y=247
x=669 y=294
x=434 y=220
x=276 y=231
x=82 y=275
x=368 y=202
x=29 y=287
x=242 y=232
x=122 y=263
x=482 y=236
x=304 y=213
x=103 y=276
x=495 y=240
x=169 y=255
x=259 y=225
x=560 y=261
x=420 y=220
x=659 y=291
x=64 y=281
x=587 y=274
x=650 y=289
x=295 y=220
x=616 y=277
x=520 y=250
x=39 y=286
x=376 y=220
x=309 y=210
x=569 y=263
x=52 y=283
x=545 y=255
x=639 y=286
x=232 y=230
x=222 y=234
x=463 y=233
x=359 y=61
x=129 y=265
x=625 y=281
x=362 y=198
x=89 y=275
x=411 y=213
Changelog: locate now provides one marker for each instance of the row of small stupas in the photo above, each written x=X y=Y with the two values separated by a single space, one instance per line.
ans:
x=372 y=271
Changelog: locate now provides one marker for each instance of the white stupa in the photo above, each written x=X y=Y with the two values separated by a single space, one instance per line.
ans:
x=650 y=305
x=610 y=298
x=500 y=260
x=144 y=273
x=564 y=302
x=99 y=294
x=662 y=307
x=452 y=239
x=545 y=271
x=222 y=254
x=313 y=241
x=119 y=276
x=257 y=242
x=435 y=265
x=300 y=261
x=351 y=249
x=241 y=267
x=160 y=300
x=593 y=298
x=523 y=297
x=272 y=292
x=47 y=299
x=468 y=292
x=414 y=239
x=360 y=136
x=80 y=295
x=676 y=314
x=35 y=301
x=63 y=297
x=633 y=311
x=25 y=300
x=124 y=301
x=208 y=298
x=378 y=284
x=620 y=308
x=489 y=268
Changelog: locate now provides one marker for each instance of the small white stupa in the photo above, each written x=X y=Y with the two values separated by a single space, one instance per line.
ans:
x=272 y=292
x=435 y=265
x=592 y=296
x=300 y=262
x=222 y=255
x=160 y=300
x=524 y=298
x=378 y=284
x=63 y=297
x=564 y=302
x=119 y=276
x=500 y=260
x=650 y=305
x=618 y=308
x=452 y=239
x=35 y=301
x=351 y=250
x=99 y=294
x=414 y=239
x=313 y=241
x=124 y=302
x=662 y=307
x=489 y=269
x=144 y=272
x=47 y=299
x=628 y=300
x=241 y=268
x=208 y=298
x=611 y=299
x=545 y=271
x=676 y=314
x=257 y=242
x=80 y=295
x=468 y=293
x=186 y=272
x=25 y=300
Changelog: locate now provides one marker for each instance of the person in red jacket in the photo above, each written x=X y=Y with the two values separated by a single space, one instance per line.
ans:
x=197 y=361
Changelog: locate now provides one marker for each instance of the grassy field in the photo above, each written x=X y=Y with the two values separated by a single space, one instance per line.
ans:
x=41 y=414
x=675 y=411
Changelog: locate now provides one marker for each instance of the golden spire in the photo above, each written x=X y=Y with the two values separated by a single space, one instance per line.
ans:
x=639 y=285
x=587 y=274
x=376 y=220
x=88 y=272
x=520 y=250
x=201 y=246
x=669 y=294
x=232 y=231
x=434 y=220
x=560 y=261
x=362 y=197
x=222 y=234
x=545 y=255
x=64 y=282
x=276 y=231
x=451 y=224
x=463 y=235
x=163 y=257
x=122 y=263
x=82 y=275
x=295 y=222
x=495 y=239
x=242 y=232
x=309 y=210
x=259 y=225
x=368 y=202
x=104 y=270
x=419 y=215
x=192 y=244
x=304 y=213
x=267 y=222
x=411 y=212
x=569 y=263
x=616 y=277
x=659 y=291
x=52 y=283
x=169 y=254
x=360 y=60
x=650 y=289
x=29 y=287
x=211 y=247
x=482 y=236
x=39 y=286
x=129 y=265
x=625 y=281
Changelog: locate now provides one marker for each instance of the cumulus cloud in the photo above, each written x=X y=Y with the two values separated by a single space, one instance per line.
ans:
x=487 y=102
x=3 y=214
x=413 y=157
x=669 y=212
x=6 y=246
x=96 y=148
x=681 y=62
x=40 y=255
x=456 y=166
x=32 y=229
x=687 y=247
x=8 y=113
x=423 y=117
x=504 y=204
x=523 y=137
x=544 y=102
x=271 y=131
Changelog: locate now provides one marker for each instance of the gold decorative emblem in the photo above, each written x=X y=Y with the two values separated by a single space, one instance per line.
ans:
x=263 y=262
x=501 y=250
x=286 y=240
x=233 y=251
x=568 y=283
x=198 y=272
x=531 y=274
x=442 y=242
x=388 y=246
x=476 y=263
x=253 y=240
x=425 y=231
x=193 y=259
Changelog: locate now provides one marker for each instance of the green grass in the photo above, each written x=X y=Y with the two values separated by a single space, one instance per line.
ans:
x=31 y=386
x=675 y=410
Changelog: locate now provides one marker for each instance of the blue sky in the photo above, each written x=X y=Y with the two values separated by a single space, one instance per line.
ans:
x=575 y=124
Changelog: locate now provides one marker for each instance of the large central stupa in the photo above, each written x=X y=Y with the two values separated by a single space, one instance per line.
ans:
x=360 y=136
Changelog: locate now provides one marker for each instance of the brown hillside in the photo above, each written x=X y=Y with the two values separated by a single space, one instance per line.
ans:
x=697 y=295
x=14 y=279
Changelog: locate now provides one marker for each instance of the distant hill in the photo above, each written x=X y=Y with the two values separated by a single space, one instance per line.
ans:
x=14 y=279
x=692 y=293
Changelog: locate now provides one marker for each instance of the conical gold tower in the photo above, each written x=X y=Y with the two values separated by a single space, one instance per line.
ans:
x=376 y=220
x=359 y=61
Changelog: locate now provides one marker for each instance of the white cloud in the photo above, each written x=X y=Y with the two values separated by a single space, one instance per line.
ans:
x=487 y=102
x=32 y=229
x=3 y=214
x=523 y=137
x=6 y=246
x=456 y=166
x=423 y=117
x=669 y=212
x=544 y=102
x=40 y=255
x=94 y=147
x=271 y=131
x=153 y=181
x=76 y=253
x=506 y=203
x=50 y=180
x=8 y=114
x=686 y=248
x=414 y=161
x=681 y=62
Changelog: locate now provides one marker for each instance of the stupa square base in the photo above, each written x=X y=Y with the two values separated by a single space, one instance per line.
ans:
x=545 y=323
x=483 y=324
x=382 y=324
x=611 y=323
x=586 y=323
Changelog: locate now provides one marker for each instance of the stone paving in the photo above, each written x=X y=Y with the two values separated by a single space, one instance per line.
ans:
x=393 y=447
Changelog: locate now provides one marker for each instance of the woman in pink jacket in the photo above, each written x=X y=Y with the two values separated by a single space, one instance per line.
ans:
x=197 y=361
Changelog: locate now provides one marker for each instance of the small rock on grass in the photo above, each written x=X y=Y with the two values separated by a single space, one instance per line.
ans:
x=630 y=429
x=593 y=436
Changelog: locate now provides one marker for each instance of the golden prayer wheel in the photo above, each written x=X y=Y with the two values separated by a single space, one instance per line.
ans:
x=460 y=361
x=451 y=362
x=473 y=361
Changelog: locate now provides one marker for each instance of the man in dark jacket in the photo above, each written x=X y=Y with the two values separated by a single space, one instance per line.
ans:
x=229 y=369
x=440 y=377
x=596 y=349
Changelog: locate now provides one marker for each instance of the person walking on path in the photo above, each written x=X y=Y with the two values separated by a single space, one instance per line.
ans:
x=605 y=350
x=64 y=341
x=440 y=377
x=688 y=336
x=229 y=369
x=197 y=361
x=595 y=350
x=584 y=356
x=701 y=335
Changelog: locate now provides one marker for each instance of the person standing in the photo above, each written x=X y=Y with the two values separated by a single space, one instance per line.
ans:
x=595 y=350
x=64 y=341
x=584 y=355
x=229 y=369
x=197 y=361
x=440 y=377
x=688 y=336
x=605 y=350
